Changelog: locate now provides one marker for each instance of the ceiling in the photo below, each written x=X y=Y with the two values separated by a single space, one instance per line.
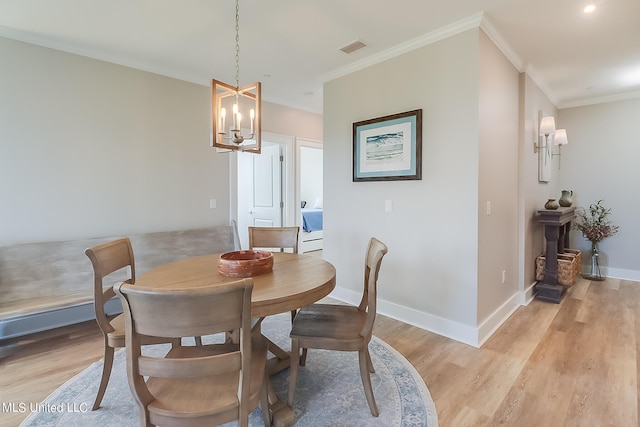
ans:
x=292 y=46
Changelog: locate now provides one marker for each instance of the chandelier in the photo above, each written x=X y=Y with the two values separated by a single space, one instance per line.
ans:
x=232 y=105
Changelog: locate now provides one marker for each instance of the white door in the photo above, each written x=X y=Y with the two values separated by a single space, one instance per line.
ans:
x=260 y=201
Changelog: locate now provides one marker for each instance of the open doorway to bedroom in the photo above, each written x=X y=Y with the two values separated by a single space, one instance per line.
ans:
x=310 y=195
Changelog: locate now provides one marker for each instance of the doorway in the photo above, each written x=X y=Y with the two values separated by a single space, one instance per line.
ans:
x=265 y=190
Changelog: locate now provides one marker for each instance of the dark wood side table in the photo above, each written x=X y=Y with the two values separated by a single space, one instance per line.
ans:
x=557 y=224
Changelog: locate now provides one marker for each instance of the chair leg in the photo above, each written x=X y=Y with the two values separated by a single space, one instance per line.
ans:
x=106 y=373
x=293 y=372
x=370 y=363
x=363 y=359
x=303 y=357
x=264 y=400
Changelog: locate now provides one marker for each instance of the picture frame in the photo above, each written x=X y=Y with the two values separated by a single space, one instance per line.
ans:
x=388 y=148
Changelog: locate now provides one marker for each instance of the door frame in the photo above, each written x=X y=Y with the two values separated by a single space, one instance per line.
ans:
x=288 y=179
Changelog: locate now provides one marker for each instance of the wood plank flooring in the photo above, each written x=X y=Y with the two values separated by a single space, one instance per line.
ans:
x=568 y=364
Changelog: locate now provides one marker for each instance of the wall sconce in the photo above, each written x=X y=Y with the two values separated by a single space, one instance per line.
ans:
x=547 y=133
x=547 y=127
x=559 y=139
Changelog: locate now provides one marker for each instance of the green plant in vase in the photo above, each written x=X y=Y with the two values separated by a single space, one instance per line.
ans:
x=595 y=227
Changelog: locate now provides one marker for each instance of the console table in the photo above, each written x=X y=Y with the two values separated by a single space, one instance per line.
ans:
x=557 y=224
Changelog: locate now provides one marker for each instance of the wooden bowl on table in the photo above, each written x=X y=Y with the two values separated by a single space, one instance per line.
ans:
x=245 y=263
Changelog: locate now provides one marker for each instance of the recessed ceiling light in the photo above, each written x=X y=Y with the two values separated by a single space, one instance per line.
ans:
x=590 y=8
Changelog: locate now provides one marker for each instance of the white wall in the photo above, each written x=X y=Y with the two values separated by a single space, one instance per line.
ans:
x=311 y=169
x=601 y=162
x=429 y=276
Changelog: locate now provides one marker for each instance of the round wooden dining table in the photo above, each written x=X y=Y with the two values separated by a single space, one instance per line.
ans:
x=296 y=280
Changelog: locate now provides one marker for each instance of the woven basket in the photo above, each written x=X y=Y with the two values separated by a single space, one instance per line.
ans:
x=569 y=264
x=577 y=264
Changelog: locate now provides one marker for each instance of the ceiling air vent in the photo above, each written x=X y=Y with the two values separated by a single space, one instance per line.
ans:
x=353 y=46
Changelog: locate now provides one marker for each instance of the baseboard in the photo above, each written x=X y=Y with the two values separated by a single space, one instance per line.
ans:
x=528 y=295
x=620 y=273
x=497 y=318
x=456 y=331
x=473 y=336
x=38 y=322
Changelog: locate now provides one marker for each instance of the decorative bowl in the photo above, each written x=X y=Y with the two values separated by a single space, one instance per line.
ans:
x=245 y=263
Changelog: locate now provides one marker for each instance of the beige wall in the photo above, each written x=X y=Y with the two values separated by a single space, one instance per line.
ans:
x=498 y=187
x=604 y=135
x=532 y=193
x=430 y=275
x=601 y=162
x=91 y=149
x=283 y=120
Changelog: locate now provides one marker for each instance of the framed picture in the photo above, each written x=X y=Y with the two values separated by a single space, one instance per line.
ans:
x=388 y=148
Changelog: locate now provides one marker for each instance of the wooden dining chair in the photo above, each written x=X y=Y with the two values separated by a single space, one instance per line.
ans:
x=195 y=385
x=341 y=327
x=281 y=238
x=274 y=238
x=109 y=258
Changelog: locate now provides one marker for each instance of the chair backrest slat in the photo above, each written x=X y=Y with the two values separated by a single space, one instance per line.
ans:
x=189 y=368
x=274 y=237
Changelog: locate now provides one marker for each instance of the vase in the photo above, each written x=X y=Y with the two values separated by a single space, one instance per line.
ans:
x=551 y=204
x=595 y=273
x=566 y=199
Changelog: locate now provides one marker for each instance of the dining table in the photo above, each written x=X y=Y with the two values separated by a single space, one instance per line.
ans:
x=295 y=281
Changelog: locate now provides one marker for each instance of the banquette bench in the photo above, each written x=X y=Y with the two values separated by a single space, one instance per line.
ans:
x=50 y=284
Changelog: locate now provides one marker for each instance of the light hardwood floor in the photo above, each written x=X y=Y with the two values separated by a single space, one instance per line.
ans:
x=568 y=364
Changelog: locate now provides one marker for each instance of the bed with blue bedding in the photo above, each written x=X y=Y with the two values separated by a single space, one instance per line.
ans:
x=311 y=220
x=311 y=234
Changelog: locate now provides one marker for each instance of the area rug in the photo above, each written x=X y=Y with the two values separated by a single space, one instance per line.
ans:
x=329 y=390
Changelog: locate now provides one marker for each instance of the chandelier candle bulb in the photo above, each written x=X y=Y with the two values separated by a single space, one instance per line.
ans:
x=223 y=115
x=235 y=116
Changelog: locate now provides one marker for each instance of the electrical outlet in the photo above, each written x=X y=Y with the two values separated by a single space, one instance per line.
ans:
x=488 y=209
x=504 y=276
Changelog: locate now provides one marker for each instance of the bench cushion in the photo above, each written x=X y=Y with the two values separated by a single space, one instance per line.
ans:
x=39 y=277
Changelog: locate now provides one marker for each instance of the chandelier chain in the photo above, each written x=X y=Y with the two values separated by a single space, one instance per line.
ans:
x=237 y=44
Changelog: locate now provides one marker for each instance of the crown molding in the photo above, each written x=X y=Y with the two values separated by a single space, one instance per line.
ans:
x=57 y=44
x=599 y=100
x=421 y=41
